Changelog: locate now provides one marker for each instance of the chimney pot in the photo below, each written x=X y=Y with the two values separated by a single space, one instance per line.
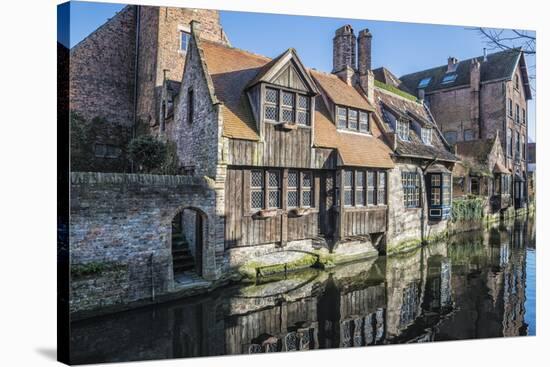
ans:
x=452 y=63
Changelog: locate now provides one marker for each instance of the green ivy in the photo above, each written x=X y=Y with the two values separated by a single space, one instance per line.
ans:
x=469 y=208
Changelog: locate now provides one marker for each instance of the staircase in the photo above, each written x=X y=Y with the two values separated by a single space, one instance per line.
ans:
x=183 y=259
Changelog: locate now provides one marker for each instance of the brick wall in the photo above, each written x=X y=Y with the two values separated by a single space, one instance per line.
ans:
x=123 y=223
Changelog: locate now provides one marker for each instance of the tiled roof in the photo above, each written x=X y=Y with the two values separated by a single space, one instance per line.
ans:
x=231 y=70
x=354 y=149
x=340 y=92
x=411 y=110
x=499 y=65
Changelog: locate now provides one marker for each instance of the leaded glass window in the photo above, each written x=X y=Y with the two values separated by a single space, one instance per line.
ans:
x=256 y=189
x=292 y=189
x=371 y=179
x=271 y=104
x=307 y=183
x=287 y=109
x=348 y=188
x=303 y=116
x=360 y=188
x=274 y=189
x=381 y=196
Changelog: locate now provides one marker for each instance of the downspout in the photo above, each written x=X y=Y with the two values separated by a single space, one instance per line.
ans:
x=136 y=65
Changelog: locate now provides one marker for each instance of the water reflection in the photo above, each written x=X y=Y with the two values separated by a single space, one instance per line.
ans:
x=473 y=286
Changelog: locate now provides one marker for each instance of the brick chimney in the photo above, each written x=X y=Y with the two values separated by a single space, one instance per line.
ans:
x=366 y=76
x=343 y=53
x=452 y=63
x=475 y=83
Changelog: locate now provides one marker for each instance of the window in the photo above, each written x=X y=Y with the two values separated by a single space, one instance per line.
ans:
x=517 y=114
x=371 y=188
x=509 y=144
x=273 y=189
x=106 y=151
x=342 y=118
x=474 y=185
x=364 y=187
x=292 y=189
x=424 y=83
x=449 y=78
x=185 y=37
x=287 y=107
x=303 y=116
x=523 y=116
x=522 y=154
x=403 y=129
x=190 y=106
x=468 y=135
x=307 y=183
x=287 y=110
x=509 y=107
x=516 y=81
x=360 y=188
x=364 y=122
x=450 y=136
x=352 y=119
x=381 y=195
x=427 y=135
x=411 y=189
x=348 y=188
x=256 y=189
x=440 y=189
x=518 y=142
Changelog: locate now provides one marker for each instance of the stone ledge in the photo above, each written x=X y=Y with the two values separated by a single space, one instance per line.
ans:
x=133 y=178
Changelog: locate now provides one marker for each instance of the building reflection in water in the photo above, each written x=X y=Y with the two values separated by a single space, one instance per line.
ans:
x=472 y=286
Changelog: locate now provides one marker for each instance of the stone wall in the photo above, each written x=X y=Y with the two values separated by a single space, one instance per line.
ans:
x=408 y=225
x=198 y=141
x=120 y=235
x=102 y=70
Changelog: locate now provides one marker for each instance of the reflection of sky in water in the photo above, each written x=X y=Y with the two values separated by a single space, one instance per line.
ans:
x=531 y=292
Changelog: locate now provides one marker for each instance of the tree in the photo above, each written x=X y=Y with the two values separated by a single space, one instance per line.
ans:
x=507 y=39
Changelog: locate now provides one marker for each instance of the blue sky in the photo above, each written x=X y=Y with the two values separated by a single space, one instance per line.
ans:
x=401 y=47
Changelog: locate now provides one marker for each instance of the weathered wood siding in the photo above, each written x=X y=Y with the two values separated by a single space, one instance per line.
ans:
x=243 y=229
x=364 y=221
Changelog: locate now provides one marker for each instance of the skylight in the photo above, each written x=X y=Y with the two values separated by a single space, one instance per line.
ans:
x=449 y=78
x=424 y=82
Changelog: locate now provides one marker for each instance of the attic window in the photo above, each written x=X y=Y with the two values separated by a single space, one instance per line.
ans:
x=427 y=135
x=516 y=81
x=424 y=82
x=449 y=78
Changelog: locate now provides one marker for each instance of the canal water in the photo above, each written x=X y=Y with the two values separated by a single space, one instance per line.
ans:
x=479 y=284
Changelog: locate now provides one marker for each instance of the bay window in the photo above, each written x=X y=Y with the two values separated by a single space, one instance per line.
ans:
x=364 y=187
x=439 y=195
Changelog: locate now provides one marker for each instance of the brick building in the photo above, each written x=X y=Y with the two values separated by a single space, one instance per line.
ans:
x=119 y=72
x=473 y=99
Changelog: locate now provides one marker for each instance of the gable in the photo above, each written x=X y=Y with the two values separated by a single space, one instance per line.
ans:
x=288 y=77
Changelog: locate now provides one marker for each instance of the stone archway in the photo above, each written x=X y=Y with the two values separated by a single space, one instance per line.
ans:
x=189 y=233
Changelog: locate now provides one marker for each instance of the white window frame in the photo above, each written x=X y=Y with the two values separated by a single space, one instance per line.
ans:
x=427 y=135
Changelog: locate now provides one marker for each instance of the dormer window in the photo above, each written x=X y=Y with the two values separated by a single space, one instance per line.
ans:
x=449 y=78
x=424 y=83
x=352 y=119
x=287 y=107
x=427 y=135
x=403 y=129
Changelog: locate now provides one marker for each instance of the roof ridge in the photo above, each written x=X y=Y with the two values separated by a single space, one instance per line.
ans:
x=218 y=44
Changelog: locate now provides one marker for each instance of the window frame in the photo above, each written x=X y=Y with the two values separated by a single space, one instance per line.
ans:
x=412 y=189
x=190 y=106
x=427 y=130
x=399 y=123
x=182 y=43
x=280 y=106
x=516 y=117
x=270 y=188
x=260 y=189
x=477 y=183
x=340 y=110
x=365 y=189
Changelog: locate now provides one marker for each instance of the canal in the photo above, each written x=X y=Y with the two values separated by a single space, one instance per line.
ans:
x=479 y=284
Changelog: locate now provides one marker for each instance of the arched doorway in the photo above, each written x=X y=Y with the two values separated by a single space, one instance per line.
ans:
x=188 y=234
